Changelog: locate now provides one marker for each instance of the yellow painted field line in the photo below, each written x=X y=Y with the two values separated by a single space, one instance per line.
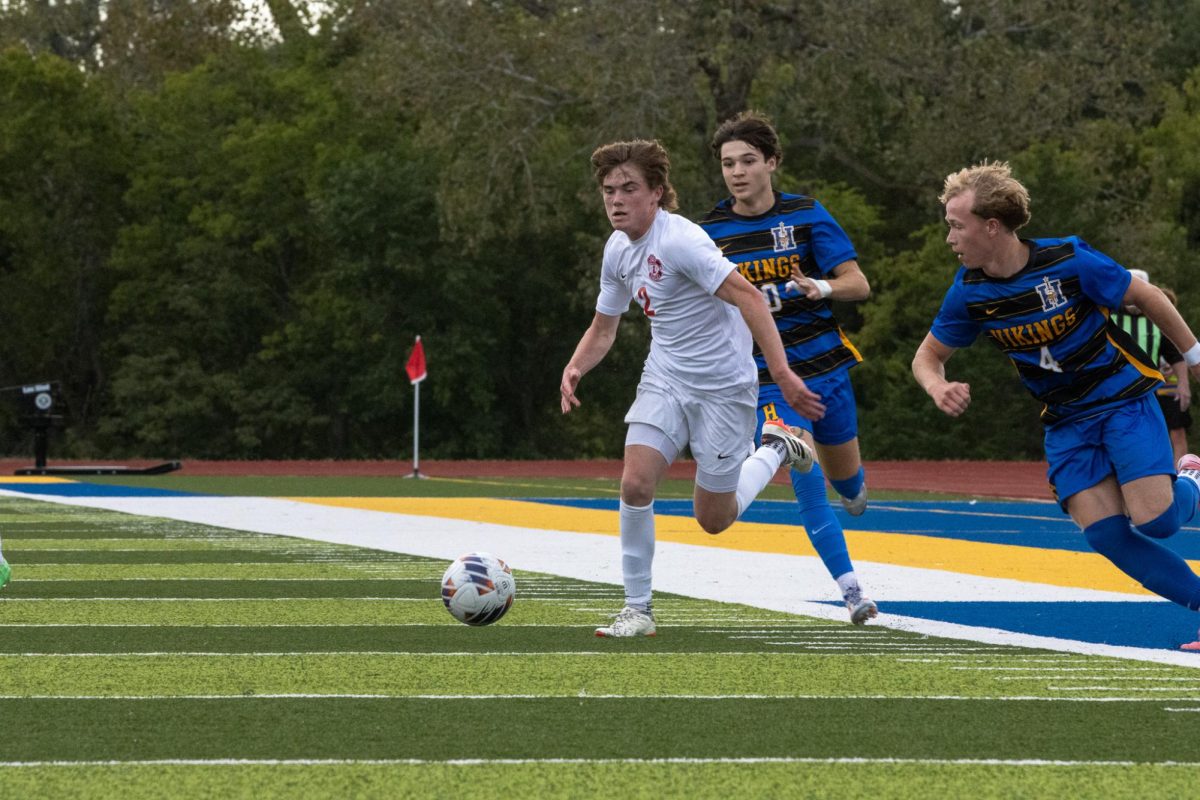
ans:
x=1082 y=570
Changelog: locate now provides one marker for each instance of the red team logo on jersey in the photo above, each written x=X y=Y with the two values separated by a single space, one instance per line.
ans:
x=656 y=268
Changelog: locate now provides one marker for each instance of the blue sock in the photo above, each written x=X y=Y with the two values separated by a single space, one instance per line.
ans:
x=1149 y=563
x=1177 y=514
x=824 y=530
x=1187 y=496
x=849 y=487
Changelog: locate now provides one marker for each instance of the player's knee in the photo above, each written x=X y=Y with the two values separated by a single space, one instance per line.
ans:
x=714 y=523
x=636 y=491
x=1164 y=525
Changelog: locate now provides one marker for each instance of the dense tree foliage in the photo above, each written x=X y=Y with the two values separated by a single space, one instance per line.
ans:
x=222 y=232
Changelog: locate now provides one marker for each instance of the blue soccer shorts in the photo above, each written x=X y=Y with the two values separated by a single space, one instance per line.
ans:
x=838 y=426
x=1129 y=441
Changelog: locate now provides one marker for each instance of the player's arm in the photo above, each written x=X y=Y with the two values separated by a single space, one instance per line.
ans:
x=929 y=368
x=1159 y=310
x=739 y=292
x=846 y=282
x=593 y=346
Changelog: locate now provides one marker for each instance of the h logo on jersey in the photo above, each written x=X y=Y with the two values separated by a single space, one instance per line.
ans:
x=785 y=237
x=1051 y=293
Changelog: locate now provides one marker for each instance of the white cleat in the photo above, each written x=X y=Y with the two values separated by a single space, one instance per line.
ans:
x=855 y=506
x=800 y=456
x=862 y=610
x=630 y=622
x=1189 y=467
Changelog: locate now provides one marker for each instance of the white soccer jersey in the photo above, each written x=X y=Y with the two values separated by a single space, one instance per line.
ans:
x=671 y=273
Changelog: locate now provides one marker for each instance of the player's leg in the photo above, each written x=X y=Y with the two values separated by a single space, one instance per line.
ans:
x=1082 y=469
x=730 y=472
x=656 y=431
x=1136 y=442
x=644 y=467
x=837 y=442
x=820 y=523
x=1099 y=512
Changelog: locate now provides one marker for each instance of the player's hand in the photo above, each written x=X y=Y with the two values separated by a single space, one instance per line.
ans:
x=570 y=380
x=803 y=400
x=952 y=397
x=805 y=286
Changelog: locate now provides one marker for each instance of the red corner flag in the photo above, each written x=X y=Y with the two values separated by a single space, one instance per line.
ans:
x=416 y=363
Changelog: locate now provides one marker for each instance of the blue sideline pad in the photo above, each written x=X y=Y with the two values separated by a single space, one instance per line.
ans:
x=81 y=489
x=1151 y=624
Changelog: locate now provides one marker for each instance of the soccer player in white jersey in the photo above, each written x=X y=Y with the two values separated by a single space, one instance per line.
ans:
x=699 y=385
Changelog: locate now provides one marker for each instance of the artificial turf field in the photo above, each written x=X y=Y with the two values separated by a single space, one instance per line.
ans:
x=145 y=657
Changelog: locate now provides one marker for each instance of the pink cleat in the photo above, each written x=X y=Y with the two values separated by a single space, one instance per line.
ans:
x=1193 y=647
x=798 y=455
x=1189 y=465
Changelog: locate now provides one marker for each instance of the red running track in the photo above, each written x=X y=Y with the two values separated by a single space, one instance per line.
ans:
x=1017 y=479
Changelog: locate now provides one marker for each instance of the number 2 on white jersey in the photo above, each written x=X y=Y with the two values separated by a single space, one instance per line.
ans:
x=644 y=298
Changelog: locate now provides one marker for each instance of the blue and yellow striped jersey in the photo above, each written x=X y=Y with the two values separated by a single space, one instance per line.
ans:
x=797 y=231
x=1052 y=320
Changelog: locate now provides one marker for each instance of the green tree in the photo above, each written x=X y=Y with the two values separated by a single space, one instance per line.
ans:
x=62 y=173
x=220 y=235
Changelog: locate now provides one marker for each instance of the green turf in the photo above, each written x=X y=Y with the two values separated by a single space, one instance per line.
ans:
x=224 y=589
x=125 y=640
x=629 y=781
x=509 y=636
x=21 y=555
x=568 y=672
x=376 y=728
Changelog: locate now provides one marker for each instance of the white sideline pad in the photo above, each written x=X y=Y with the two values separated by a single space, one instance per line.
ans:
x=710 y=573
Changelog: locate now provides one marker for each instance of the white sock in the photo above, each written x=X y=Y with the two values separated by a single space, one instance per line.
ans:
x=848 y=583
x=637 y=553
x=757 y=471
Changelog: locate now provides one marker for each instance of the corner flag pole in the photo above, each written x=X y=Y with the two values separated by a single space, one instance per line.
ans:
x=416 y=429
x=416 y=373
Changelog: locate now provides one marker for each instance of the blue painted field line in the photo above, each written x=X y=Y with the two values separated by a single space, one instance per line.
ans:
x=1016 y=523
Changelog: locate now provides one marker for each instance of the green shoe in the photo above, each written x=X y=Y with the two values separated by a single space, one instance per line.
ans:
x=5 y=573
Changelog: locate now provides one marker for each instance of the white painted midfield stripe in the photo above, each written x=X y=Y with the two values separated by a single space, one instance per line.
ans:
x=583 y=696
x=491 y=762
x=764 y=580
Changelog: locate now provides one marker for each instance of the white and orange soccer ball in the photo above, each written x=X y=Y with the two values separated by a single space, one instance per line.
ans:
x=478 y=588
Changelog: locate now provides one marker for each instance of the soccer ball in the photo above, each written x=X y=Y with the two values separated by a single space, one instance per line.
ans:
x=478 y=588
